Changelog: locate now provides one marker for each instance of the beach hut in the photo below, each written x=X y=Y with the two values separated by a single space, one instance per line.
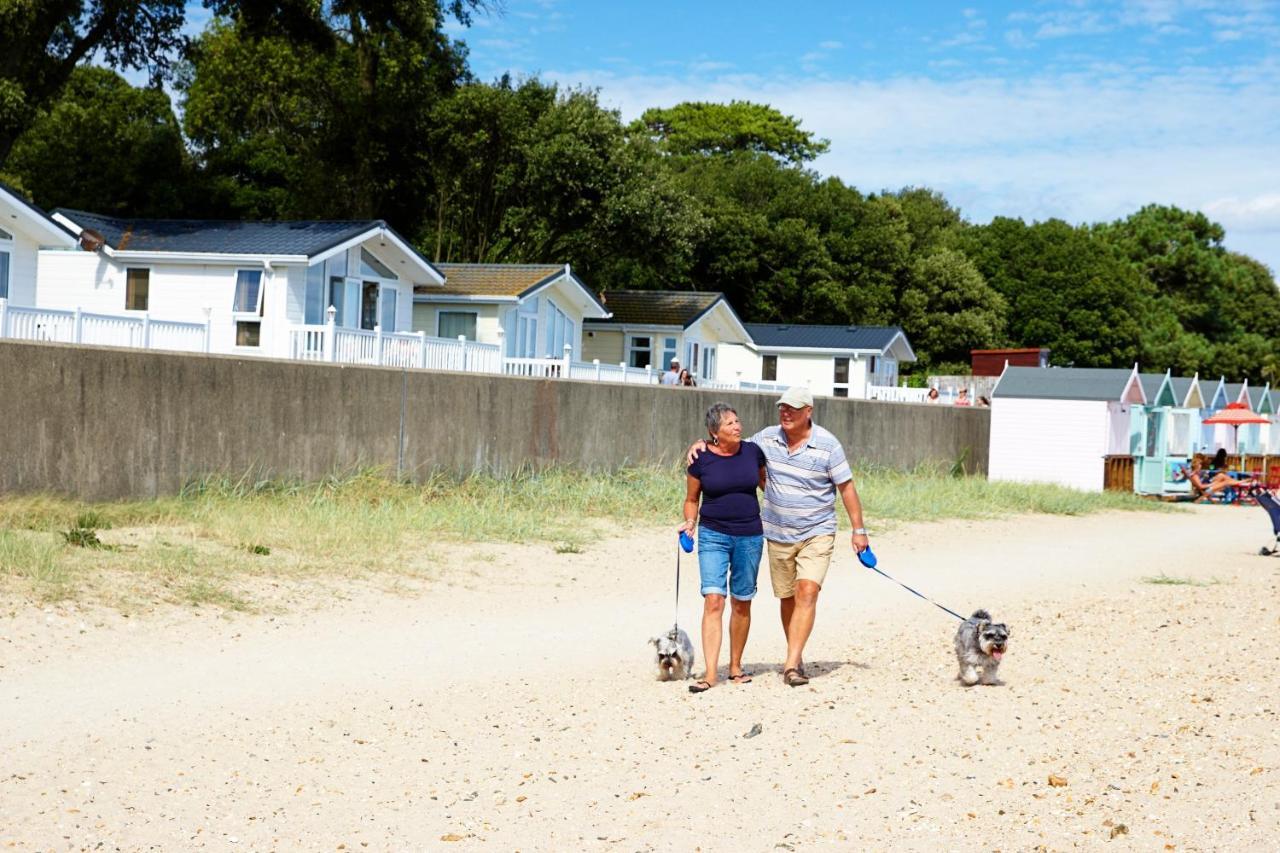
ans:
x=1070 y=426
x=1256 y=438
x=1162 y=432
x=1211 y=436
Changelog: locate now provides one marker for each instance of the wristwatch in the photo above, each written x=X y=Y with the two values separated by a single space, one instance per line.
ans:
x=859 y=531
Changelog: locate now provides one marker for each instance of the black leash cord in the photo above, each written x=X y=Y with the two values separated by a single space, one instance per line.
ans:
x=913 y=592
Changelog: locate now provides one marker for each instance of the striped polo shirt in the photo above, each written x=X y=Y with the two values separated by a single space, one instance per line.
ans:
x=800 y=492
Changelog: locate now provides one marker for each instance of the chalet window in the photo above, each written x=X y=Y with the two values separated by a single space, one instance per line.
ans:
x=248 y=333
x=559 y=331
x=450 y=324
x=371 y=267
x=669 y=352
x=640 y=353
x=6 y=255
x=840 y=379
x=313 y=306
x=769 y=368
x=248 y=296
x=137 y=288
x=388 y=311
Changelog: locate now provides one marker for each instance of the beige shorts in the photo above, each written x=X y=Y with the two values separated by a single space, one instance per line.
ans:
x=793 y=561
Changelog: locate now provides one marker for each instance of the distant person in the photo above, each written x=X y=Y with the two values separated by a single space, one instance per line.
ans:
x=962 y=399
x=686 y=379
x=932 y=396
x=672 y=376
x=983 y=402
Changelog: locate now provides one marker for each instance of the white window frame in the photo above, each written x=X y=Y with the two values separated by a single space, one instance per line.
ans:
x=632 y=348
x=764 y=358
x=126 y=288
x=441 y=312
x=708 y=368
x=836 y=386
x=383 y=290
x=670 y=350
x=7 y=248
x=255 y=312
x=559 y=330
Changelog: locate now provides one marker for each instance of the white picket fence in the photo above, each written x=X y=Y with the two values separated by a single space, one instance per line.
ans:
x=108 y=330
x=331 y=343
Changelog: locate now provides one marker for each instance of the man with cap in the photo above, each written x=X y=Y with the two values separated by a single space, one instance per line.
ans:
x=672 y=376
x=805 y=469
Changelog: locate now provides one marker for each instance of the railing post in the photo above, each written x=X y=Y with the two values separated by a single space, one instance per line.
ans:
x=462 y=352
x=4 y=317
x=648 y=374
x=331 y=334
x=208 y=328
x=146 y=330
x=422 y=349
x=77 y=328
x=623 y=366
x=377 y=344
x=568 y=360
x=739 y=374
x=596 y=362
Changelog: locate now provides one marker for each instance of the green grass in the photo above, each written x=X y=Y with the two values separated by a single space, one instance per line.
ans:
x=223 y=535
x=1166 y=580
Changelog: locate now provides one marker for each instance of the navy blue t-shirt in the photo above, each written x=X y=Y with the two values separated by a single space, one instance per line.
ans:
x=729 y=503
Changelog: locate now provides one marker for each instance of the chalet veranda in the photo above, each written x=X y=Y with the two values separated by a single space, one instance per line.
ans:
x=356 y=292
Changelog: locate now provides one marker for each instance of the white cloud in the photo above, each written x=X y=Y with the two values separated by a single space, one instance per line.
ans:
x=1082 y=147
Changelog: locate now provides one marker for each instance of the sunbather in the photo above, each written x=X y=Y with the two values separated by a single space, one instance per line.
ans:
x=1219 y=482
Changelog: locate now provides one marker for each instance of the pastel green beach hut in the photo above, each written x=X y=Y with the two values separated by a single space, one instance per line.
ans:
x=1164 y=431
x=1256 y=438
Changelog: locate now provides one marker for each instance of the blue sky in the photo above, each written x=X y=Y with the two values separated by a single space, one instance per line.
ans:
x=1079 y=109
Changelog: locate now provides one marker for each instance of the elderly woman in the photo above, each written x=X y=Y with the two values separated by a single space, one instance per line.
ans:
x=730 y=538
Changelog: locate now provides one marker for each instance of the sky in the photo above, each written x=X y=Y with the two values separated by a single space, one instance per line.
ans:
x=1084 y=110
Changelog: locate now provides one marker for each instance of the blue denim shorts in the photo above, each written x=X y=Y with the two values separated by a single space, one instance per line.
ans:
x=729 y=564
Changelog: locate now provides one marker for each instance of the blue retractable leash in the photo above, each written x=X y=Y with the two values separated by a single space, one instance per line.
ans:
x=868 y=559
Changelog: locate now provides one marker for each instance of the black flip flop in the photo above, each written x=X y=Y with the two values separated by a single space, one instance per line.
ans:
x=700 y=687
x=741 y=678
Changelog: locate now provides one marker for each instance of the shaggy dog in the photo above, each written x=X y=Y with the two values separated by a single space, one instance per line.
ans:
x=980 y=644
x=674 y=655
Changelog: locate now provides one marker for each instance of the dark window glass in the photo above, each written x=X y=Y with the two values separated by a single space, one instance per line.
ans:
x=842 y=370
x=248 y=334
x=137 y=289
x=769 y=368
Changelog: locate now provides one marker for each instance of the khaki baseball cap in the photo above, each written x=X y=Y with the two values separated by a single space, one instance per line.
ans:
x=797 y=397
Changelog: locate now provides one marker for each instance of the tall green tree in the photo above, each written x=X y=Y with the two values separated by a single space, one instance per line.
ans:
x=43 y=41
x=529 y=173
x=709 y=128
x=106 y=146
x=343 y=97
x=1065 y=289
x=949 y=309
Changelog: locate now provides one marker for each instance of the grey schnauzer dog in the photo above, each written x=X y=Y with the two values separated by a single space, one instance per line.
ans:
x=980 y=644
x=675 y=655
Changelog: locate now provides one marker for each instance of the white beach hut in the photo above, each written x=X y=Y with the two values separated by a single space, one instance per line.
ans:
x=1060 y=425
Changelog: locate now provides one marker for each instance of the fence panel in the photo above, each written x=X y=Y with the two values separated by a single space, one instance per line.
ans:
x=40 y=324
x=180 y=337
x=895 y=394
x=306 y=343
x=110 y=330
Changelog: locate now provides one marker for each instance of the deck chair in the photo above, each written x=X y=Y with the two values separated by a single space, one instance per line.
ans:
x=1268 y=502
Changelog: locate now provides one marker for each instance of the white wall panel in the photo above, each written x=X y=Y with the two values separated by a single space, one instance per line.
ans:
x=1048 y=441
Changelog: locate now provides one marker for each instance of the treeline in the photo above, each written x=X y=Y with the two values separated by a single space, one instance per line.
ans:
x=291 y=110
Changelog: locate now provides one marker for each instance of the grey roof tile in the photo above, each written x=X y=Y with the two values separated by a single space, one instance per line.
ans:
x=1063 y=383
x=221 y=236
x=822 y=337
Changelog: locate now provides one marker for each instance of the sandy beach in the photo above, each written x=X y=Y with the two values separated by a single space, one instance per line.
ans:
x=511 y=705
